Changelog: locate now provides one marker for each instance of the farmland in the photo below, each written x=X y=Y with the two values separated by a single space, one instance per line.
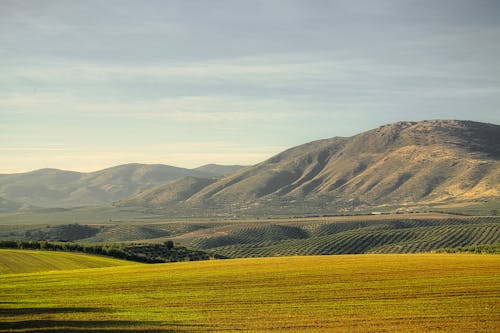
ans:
x=16 y=261
x=396 y=233
x=354 y=293
x=357 y=236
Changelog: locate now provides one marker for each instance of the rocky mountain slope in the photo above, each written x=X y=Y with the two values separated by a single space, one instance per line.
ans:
x=402 y=163
x=59 y=188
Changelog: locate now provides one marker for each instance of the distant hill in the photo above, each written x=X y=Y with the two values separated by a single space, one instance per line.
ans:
x=59 y=188
x=8 y=206
x=404 y=163
x=219 y=170
x=175 y=191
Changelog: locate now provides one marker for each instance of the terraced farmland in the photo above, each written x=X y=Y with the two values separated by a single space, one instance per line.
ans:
x=345 y=293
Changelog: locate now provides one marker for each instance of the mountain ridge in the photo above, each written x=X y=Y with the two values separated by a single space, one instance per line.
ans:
x=402 y=163
x=49 y=187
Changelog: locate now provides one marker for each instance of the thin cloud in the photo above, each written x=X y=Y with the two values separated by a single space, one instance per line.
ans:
x=178 y=109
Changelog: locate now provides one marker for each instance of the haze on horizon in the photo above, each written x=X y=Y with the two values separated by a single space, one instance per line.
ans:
x=88 y=85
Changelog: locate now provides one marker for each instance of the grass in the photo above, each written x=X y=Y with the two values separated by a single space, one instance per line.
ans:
x=345 y=293
x=25 y=261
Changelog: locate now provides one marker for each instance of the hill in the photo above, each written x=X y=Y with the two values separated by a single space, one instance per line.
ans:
x=347 y=237
x=401 y=164
x=219 y=170
x=26 y=261
x=59 y=188
x=399 y=233
x=8 y=206
x=362 y=293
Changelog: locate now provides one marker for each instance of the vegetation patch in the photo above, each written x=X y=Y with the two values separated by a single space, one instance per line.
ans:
x=480 y=248
x=147 y=253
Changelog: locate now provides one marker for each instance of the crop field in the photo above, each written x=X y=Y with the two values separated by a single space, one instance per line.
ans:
x=343 y=293
x=409 y=233
x=25 y=261
x=344 y=237
x=398 y=236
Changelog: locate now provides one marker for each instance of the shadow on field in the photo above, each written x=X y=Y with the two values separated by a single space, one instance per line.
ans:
x=70 y=326
x=35 y=311
x=82 y=326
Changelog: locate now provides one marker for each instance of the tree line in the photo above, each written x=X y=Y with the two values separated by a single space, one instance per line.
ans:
x=145 y=253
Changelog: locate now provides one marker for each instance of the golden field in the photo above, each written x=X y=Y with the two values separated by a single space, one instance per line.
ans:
x=344 y=293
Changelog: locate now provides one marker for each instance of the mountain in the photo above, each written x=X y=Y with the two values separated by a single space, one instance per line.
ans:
x=175 y=191
x=59 y=188
x=8 y=206
x=404 y=163
x=218 y=170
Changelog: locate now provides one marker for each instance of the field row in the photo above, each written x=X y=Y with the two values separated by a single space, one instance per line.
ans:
x=399 y=236
x=313 y=236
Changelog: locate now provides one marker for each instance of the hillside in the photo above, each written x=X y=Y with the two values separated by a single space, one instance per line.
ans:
x=404 y=163
x=218 y=170
x=8 y=206
x=348 y=237
x=59 y=188
x=345 y=293
x=398 y=233
x=26 y=261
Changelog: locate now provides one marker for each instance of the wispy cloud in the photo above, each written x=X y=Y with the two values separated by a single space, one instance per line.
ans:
x=112 y=79
x=178 y=109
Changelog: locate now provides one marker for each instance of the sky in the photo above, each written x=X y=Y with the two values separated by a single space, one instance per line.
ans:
x=86 y=85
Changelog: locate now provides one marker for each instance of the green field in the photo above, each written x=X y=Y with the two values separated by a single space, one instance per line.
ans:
x=25 y=261
x=344 y=293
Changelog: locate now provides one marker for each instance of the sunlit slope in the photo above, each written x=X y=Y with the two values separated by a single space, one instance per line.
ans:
x=425 y=162
x=345 y=293
x=25 y=261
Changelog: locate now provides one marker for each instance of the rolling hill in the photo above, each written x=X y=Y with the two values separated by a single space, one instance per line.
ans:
x=398 y=233
x=348 y=237
x=8 y=206
x=59 y=188
x=404 y=163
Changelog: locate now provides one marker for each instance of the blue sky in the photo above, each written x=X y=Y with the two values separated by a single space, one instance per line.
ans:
x=90 y=84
